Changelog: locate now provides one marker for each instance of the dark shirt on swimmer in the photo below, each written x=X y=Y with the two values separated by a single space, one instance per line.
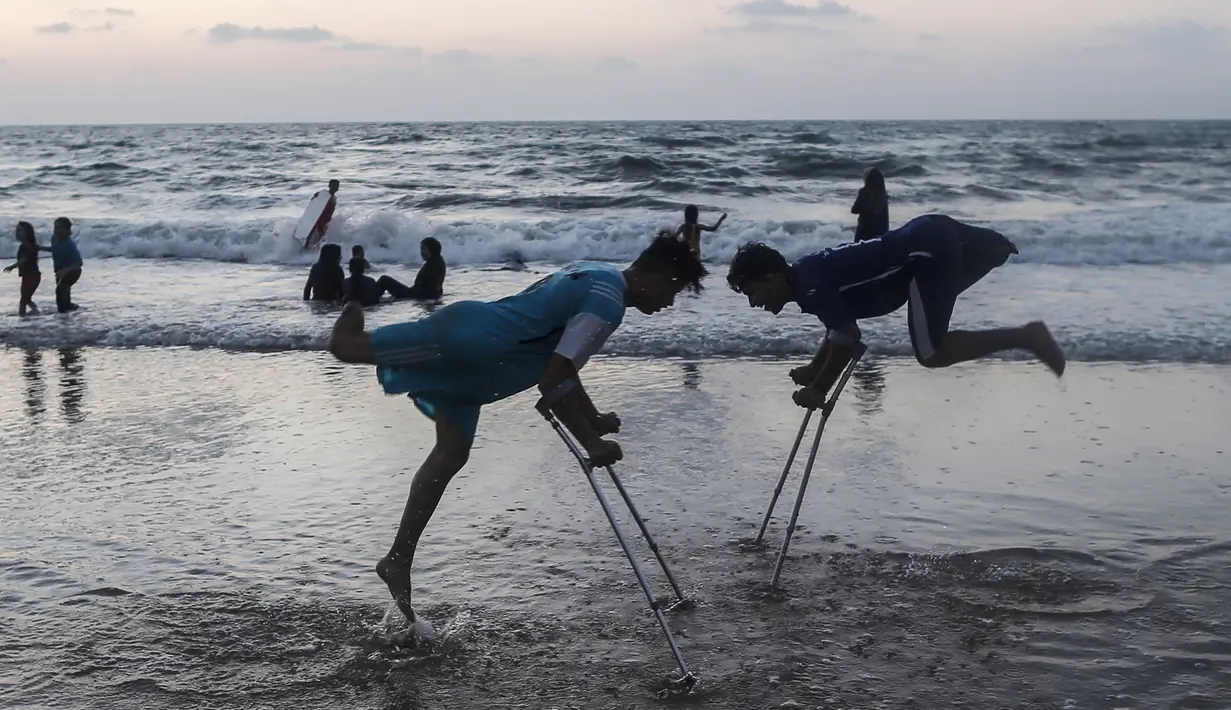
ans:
x=27 y=260
x=873 y=210
x=429 y=282
x=325 y=282
x=368 y=293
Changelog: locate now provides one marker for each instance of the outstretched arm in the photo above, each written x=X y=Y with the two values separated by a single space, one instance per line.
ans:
x=12 y=266
x=714 y=228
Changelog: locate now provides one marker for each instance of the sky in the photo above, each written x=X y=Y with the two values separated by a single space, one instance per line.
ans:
x=170 y=61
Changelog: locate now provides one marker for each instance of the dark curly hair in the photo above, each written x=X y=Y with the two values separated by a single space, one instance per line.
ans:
x=753 y=262
x=668 y=254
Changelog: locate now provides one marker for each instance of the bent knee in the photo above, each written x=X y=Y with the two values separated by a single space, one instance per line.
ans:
x=451 y=455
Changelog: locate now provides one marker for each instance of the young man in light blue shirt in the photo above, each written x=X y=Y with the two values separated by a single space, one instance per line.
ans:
x=472 y=353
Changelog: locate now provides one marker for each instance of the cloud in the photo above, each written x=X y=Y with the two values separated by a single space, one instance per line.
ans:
x=615 y=65
x=781 y=8
x=931 y=38
x=228 y=33
x=770 y=26
x=768 y=16
x=59 y=28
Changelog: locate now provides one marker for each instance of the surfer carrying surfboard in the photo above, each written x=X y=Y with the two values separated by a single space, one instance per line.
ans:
x=321 y=225
x=472 y=353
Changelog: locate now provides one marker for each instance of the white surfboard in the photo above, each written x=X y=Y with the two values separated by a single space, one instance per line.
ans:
x=302 y=230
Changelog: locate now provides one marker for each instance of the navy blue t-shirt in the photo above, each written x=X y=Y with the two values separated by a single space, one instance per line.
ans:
x=860 y=280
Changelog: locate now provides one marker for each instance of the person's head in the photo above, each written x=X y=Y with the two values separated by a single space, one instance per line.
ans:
x=357 y=251
x=357 y=265
x=759 y=272
x=62 y=228
x=331 y=253
x=691 y=214
x=661 y=272
x=333 y=186
x=25 y=232
x=429 y=247
x=874 y=180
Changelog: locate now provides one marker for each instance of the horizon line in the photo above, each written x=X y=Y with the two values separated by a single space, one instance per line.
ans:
x=124 y=124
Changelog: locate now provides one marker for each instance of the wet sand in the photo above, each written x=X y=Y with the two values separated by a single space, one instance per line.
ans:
x=197 y=529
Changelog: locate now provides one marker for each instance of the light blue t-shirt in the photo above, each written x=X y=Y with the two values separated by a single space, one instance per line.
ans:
x=64 y=253
x=479 y=352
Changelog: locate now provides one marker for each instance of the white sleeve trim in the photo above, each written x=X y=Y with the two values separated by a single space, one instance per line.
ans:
x=583 y=336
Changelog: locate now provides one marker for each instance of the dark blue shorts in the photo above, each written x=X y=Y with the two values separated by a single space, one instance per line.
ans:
x=945 y=258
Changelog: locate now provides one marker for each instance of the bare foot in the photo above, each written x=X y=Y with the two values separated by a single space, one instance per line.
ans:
x=1045 y=346
x=351 y=320
x=346 y=340
x=397 y=578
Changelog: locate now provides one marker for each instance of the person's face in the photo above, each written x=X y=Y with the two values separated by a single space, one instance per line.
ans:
x=771 y=293
x=62 y=230
x=659 y=292
x=424 y=252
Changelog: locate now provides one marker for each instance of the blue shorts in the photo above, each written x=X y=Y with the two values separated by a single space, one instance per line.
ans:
x=449 y=365
x=946 y=257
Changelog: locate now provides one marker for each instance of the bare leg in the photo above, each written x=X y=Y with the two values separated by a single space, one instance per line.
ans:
x=349 y=342
x=963 y=345
x=446 y=459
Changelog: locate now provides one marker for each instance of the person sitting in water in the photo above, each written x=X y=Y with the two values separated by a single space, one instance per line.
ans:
x=326 y=277
x=872 y=206
x=429 y=282
x=470 y=353
x=690 y=230
x=360 y=287
x=927 y=263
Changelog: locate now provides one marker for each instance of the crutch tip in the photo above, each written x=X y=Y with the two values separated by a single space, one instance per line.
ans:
x=679 y=686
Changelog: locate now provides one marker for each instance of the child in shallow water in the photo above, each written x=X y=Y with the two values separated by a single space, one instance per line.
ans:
x=690 y=230
x=27 y=267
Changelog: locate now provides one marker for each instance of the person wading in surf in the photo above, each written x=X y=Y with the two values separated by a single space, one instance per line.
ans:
x=471 y=353
x=690 y=230
x=322 y=222
x=927 y=263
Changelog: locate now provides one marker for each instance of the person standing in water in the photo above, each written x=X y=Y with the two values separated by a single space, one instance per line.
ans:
x=27 y=267
x=690 y=230
x=872 y=206
x=66 y=260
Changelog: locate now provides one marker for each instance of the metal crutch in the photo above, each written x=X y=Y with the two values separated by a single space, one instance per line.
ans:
x=826 y=410
x=687 y=679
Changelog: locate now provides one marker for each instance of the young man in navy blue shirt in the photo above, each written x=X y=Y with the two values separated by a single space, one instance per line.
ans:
x=925 y=263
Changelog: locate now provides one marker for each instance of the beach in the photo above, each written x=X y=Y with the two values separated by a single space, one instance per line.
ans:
x=197 y=528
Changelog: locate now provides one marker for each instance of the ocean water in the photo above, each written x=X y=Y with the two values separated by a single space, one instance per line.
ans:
x=193 y=493
x=1124 y=228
